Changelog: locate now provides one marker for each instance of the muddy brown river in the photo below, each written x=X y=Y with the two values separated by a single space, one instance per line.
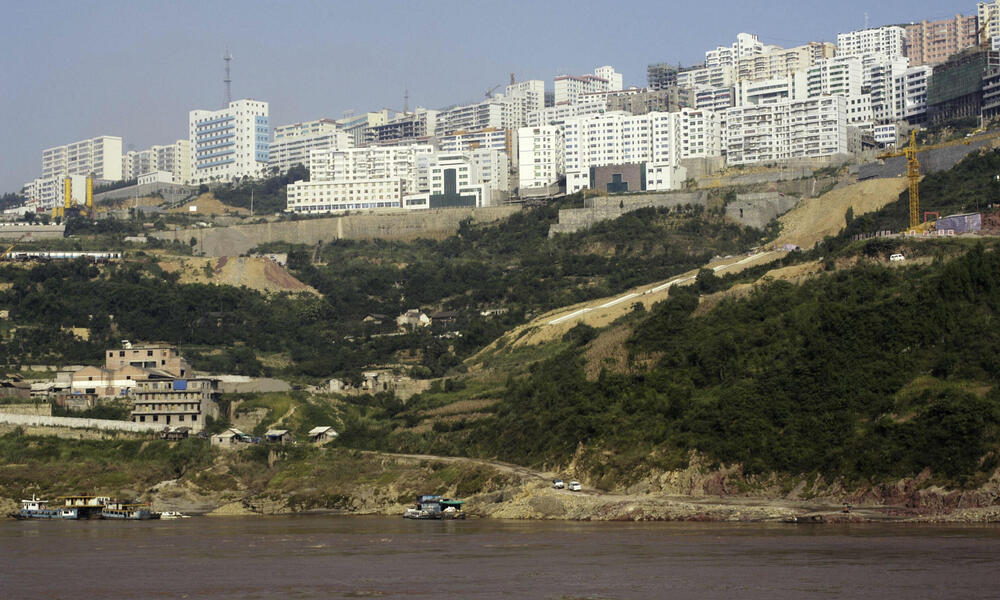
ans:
x=377 y=557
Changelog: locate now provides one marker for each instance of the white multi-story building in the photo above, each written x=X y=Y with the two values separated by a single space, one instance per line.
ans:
x=881 y=77
x=912 y=97
x=530 y=92
x=44 y=193
x=835 y=77
x=100 y=157
x=451 y=179
x=658 y=140
x=811 y=128
x=782 y=62
x=173 y=158
x=716 y=76
x=717 y=99
x=229 y=143
x=885 y=41
x=568 y=88
x=746 y=45
x=764 y=91
x=292 y=143
x=357 y=179
x=466 y=141
x=859 y=112
x=541 y=159
x=470 y=117
x=551 y=115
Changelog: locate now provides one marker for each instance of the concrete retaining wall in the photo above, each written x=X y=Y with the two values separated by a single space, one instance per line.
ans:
x=931 y=161
x=408 y=225
x=757 y=210
x=171 y=192
x=254 y=386
x=14 y=231
x=41 y=409
x=77 y=423
x=603 y=208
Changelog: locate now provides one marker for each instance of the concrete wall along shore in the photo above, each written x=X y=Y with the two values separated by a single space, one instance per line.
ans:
x=410 y=225
x=78 y=423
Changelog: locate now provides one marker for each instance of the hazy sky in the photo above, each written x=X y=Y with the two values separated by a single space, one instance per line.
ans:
x=79 y=69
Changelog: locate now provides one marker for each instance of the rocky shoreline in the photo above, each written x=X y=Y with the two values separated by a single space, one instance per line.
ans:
x=503 y=491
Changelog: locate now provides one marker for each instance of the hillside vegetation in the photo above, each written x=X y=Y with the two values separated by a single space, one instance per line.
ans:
x=867 y=374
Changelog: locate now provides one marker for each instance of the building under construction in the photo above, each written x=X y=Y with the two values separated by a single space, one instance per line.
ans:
x=955 y=89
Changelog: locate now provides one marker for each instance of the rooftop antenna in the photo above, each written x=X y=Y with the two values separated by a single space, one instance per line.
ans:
x=228 y=80
x=866 y=19
x=406 y=100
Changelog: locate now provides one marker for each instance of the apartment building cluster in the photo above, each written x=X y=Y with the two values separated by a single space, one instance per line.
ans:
x=747 y=103
x=754 y=103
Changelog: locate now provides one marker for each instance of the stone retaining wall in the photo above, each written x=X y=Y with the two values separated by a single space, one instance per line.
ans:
x=408 y=225
x=603 y=208
x=40 y=409
x=757 y=210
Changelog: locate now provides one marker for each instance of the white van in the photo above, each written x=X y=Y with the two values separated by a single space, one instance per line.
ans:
x=896 y=257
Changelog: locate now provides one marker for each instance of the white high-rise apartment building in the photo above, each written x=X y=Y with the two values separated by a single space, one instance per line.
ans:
x=568 y=88
x=886 y=41
x=782 y=62
x=717 y=99
x=835 y=77
x=541 y=158
x=357 y=179
x=489 y=139
x=470 y=117
x=532 y=91
x=658 y=140
x=552 y=115
x=881 y=79
x=912 y=98
x=860 y=113
x=100 y=157
x=292 y=143
x=173 y=158
x=718 y=76
x=746 y=44
x=229 y=143
x=45 y=192
x=765 y=91
x=811 y=128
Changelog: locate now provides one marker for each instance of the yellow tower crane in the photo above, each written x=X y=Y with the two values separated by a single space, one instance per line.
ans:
x=912 y=177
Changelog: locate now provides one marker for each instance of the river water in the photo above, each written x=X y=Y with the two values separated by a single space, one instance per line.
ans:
x=377 y=557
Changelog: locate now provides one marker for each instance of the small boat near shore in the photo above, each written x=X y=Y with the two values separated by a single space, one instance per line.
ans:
x=39 y=509
x=129 y=512
x=86 y=507
x=173 y=514
x=435 y=508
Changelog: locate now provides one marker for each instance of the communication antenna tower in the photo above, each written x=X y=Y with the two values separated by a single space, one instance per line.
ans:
x=406 y=100
x=228 y=80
